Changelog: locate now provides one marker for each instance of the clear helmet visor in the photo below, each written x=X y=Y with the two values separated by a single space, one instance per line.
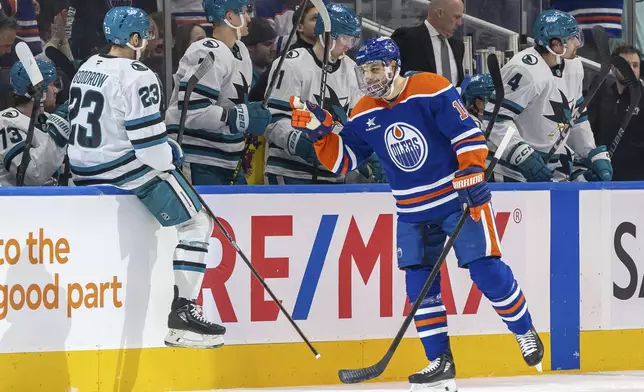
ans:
x=375 y=78
x=346 y=42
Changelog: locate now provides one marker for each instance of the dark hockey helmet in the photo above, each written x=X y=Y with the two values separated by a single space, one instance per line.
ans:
x=20 y=81
x=344 y=21
x=121 y=22
x=480 y=86
x=216 y=9
x=555 y=24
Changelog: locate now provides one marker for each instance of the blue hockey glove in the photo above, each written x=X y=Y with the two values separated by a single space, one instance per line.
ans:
x=301 y=146
x=251 y=117
x=177 y=153
x=529 y=163
x=472 y=190
x=600 y=165
x=311 y=119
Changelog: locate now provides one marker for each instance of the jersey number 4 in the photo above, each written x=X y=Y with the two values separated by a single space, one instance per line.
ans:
x=86 y=131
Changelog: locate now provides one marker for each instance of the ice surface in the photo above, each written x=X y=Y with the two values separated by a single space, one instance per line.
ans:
x=592 y=382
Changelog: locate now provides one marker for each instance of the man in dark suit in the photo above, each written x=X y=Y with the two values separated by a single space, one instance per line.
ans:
x=431 y=47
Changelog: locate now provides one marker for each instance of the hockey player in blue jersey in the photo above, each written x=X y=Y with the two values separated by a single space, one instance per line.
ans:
x=118 y=138
x=434 y=157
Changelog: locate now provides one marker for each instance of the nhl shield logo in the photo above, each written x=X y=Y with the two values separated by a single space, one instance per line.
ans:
x=406 y=146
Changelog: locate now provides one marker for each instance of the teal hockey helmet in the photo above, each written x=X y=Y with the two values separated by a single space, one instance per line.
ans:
x=216 y=9
x=555 y=24
x=480 y=86
x=344 y=21
x=121 y=22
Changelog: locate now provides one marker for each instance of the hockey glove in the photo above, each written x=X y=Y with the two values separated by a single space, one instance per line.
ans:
x=529 y=163
x=301 y=146
x=373 y=170
x=177 y=153
x=251 y=117
x=310 y=118
x=600 y=165
x=472 y=190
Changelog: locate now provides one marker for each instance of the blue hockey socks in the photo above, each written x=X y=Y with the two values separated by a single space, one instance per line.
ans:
x=431 y=317
x=495 y=280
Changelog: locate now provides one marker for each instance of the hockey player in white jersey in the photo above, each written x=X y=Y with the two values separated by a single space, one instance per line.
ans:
x=291 y=156
x=118 y=138
x=50 y=138
x=543 y=86
x=476 y=93
x=214 y=130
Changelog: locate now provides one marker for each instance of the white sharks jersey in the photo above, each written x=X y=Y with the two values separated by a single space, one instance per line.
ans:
x=47 y=149
x=540 y=100
x=118 y=137
x=207 y=138
x=300 y=76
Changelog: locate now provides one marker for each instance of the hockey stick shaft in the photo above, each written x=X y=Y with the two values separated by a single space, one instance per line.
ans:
x=35 y=76
x=203 y=68
x=324 y=14
x=499 y=92
x=271 y=85
x=635 y=89
x=256 y=274
x=351 y=376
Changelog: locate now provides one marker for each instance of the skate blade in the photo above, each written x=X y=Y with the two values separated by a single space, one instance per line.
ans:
x=539 y=367
x=441 y=386
x=188 y=339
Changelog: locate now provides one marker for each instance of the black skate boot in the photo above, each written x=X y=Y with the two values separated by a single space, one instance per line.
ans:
x=437 y=377
x=531 y=348
x=189 y=328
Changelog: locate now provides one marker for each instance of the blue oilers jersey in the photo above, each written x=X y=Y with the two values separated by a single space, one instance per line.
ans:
x=422 y=139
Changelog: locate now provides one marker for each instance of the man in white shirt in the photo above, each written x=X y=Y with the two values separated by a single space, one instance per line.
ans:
x=431 y=46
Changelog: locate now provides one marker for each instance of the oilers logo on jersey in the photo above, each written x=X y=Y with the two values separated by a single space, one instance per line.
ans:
x=406 y=146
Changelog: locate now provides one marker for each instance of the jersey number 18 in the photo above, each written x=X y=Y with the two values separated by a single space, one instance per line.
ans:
x=86 y=131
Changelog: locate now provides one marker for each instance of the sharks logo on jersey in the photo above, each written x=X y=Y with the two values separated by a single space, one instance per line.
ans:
x=242 y=91
x=338 y=107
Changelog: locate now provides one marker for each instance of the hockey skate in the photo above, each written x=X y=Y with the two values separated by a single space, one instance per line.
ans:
x=189 y=328
x=437 y=377
x=531 y=348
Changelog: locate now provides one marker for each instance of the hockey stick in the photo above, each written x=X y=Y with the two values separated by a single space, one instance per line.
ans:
x=635 y=89
x=271 y=85
x=499 y=91
x=352 y=376
x=601 y=40
x=324 y=14
x=61 y=61
x=232 y=242
x=67 y=67
x=204 y=67
x=182 y=120
x=29 y=62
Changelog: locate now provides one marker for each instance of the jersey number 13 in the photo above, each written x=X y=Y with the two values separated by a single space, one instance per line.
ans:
x=86 y=130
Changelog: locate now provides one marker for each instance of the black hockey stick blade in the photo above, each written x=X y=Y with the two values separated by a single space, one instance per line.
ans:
x=206 y=63
x=499 y=92
x=353 y=376
x=635 y=89
x=61 y=61
x=601 y=41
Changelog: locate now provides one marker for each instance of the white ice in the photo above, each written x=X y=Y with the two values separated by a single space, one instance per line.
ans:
x=591 y=382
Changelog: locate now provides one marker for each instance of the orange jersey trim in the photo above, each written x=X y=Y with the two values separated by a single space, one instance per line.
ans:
x=327 y=149
x=425 y=83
